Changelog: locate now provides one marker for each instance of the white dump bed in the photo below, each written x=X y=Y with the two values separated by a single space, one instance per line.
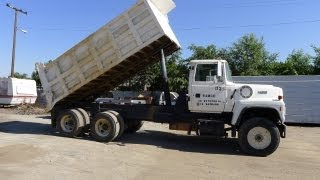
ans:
x=15 y=91
x=111 y=55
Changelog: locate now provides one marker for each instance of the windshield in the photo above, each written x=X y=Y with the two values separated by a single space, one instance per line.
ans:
x=228 y=72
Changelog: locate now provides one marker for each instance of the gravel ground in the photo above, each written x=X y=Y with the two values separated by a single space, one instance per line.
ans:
x=26 y=109
x=31 y=149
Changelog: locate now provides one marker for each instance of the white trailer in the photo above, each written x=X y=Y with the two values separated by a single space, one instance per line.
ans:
x=15 y=91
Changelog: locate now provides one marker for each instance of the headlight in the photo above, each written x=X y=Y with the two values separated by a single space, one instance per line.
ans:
x=246 y=91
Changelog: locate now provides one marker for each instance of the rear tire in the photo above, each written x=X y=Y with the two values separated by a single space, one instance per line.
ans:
x=104 y=127
x=259 y=137
x=133 y=126
x=86 y=119
x=121 y=124
x=70 y=123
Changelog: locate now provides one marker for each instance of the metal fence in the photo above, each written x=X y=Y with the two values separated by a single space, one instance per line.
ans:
x=301 y=95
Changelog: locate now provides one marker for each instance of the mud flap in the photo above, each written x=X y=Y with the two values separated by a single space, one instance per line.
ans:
x=283 y=130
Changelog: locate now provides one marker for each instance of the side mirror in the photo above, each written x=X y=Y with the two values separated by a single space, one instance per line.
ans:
x=219 y=73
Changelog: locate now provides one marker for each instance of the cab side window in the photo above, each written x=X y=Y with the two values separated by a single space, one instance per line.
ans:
x=206 y=72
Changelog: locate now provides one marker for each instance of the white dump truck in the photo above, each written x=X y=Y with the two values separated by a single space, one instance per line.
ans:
x=139 y=37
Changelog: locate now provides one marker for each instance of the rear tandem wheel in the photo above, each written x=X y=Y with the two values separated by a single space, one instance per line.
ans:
x=104 y=127
x=70 y=123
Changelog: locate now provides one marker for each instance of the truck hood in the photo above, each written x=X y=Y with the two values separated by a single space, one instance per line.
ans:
x=258 y=91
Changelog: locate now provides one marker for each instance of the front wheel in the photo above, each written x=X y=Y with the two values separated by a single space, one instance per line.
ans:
x=259 y=137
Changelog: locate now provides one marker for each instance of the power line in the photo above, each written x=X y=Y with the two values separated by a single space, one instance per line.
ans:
x=263 y=2
x=60 y=29
x=251 y=25
x=257 y=4
x=260 y=3
x=184 y=29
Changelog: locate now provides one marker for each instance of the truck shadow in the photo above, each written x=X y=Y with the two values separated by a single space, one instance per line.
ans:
x=180 y=142
x=22 y=127
x=159 y=139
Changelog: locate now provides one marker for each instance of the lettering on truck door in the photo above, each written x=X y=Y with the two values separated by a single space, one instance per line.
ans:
x=208 y=91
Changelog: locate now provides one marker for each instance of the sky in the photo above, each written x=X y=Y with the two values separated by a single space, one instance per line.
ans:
x=53 y=27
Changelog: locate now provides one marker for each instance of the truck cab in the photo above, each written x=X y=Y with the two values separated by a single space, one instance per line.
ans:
x=255 y=110
x=211 y=90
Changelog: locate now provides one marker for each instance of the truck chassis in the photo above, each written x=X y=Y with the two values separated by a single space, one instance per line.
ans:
x=107 y=122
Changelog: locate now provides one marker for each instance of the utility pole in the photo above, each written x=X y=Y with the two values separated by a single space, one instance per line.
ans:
x=16 y=11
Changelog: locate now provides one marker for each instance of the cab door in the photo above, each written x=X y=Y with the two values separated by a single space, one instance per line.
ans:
x=207 y=90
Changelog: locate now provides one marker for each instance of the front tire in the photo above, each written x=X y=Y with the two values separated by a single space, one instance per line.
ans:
x=259 y=137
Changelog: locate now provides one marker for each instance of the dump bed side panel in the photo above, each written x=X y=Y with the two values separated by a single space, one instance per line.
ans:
x=111 y=55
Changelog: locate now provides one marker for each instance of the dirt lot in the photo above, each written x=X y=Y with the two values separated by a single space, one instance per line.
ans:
x=30 y=149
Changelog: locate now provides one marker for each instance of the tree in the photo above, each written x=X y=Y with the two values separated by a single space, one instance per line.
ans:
x=35 y=76
x=284 y=68
x=268 y=65
x=207 y=52
x=300 y=62
x=152 y=76
x=316 y=60
x=202 y=52
x=21 y=75
x=248 y=56
x=178 y=72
